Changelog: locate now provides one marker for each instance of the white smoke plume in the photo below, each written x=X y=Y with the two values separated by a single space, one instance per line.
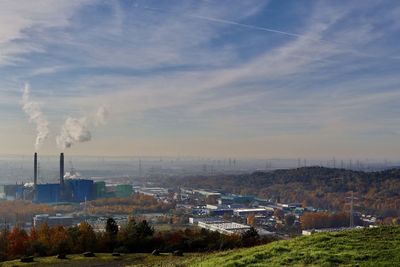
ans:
x=101 y=116
x=73 y=131
x=33 y=110
x=77 y=130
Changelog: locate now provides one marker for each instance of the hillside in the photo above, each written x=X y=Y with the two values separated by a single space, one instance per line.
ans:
x=378 y=192
x=365 y=247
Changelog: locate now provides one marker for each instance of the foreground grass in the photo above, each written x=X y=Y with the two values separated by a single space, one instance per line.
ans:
x=365 y=247
x=135 y=259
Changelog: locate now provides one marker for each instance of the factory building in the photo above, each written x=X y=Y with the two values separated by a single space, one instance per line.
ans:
x=123 y=190
x=154 y=191
x=69 y=190
x=58 y=220
x=221 y=226
x=47 y=193
x=100 y=189
x=10 y=191
x=248 y=211
x=78 y=190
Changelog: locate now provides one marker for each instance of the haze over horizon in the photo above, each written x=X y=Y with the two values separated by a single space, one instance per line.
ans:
x=262 y=79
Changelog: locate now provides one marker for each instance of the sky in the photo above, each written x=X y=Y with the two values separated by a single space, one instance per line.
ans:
x=219 y=78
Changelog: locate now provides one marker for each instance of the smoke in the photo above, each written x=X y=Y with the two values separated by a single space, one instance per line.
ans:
x=33 y=110
x=77 y=130
x=101 y=116
x=73 y=131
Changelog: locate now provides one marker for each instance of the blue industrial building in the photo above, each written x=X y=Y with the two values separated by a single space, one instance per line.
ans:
x=47 y=193
x=70 y=190
x=19 y=192
x=79 y=190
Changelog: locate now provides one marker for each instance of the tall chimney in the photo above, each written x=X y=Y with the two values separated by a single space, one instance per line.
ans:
x=62 y=171
x=35 y=170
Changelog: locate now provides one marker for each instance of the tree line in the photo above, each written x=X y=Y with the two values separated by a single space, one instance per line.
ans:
x=132 y=237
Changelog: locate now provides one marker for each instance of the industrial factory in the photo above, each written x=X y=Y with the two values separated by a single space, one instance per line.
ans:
x=67 y=190
x=70 y=188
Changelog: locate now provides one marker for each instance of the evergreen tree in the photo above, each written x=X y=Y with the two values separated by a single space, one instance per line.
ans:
x=144 y=229
x=111 y=227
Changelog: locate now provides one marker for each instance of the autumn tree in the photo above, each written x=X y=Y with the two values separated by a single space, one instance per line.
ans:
x=278 y=213
x=61 y=241
x=43 y=245
x=18 y=242
x=315 y=220
x=251 y=219
x=87 y=237
x=36 y=247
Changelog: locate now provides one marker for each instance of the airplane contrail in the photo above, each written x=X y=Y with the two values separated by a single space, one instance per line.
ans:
x=265 y=29
x=230 y=22
x=248 y=26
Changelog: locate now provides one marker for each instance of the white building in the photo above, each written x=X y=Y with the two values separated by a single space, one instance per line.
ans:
x=246 y=212
x=219 y=225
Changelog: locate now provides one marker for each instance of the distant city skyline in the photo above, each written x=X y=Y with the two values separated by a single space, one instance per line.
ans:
x=244 y=79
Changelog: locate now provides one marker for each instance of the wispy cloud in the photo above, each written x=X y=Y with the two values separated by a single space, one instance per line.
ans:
x=210 y=68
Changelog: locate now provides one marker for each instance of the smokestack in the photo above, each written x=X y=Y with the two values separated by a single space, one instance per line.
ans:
x=62 y=174
x=35 y=170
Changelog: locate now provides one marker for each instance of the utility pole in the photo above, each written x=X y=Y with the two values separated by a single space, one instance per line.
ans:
x=352 y=210
x=85 y=209
x=140 y=167
x=352 y=198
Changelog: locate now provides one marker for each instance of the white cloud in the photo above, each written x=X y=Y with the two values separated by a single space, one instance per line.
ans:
x=19 y=17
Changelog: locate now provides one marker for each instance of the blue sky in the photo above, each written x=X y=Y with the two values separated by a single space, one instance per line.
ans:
x=206 y=77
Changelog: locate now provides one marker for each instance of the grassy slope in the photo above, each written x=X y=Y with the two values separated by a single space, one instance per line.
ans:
x=366 y=247
x=105 y=260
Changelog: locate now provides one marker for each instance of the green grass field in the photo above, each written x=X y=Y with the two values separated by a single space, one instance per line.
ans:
x=365 y=247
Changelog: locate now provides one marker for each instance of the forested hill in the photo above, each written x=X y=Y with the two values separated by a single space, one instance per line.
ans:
x=313 y=186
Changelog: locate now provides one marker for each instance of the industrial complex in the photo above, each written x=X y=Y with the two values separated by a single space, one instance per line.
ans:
x=67 y=189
